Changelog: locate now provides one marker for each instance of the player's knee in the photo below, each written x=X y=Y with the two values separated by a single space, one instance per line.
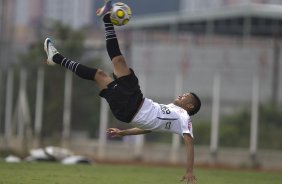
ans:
x=119 y=60
x=101 y=74
x=102 y=79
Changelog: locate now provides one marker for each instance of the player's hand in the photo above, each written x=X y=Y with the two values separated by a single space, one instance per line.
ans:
x=189 y=178
x=114 y=132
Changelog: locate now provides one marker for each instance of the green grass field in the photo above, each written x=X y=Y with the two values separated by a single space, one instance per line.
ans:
x=40 y=173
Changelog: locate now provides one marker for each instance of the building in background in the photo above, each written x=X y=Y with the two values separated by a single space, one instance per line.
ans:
x=80 y=13
x=27 y=16
x=30 y=14
x=203 y=5
x=216 y=19
x=75 y=13
x=23 y=18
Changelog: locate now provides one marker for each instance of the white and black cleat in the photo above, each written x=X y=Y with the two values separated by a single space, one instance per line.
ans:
x=50 y=51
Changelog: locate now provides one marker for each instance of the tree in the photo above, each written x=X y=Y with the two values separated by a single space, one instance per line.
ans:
x=85 y=105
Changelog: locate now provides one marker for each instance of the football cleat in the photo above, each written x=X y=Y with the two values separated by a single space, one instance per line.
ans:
x=105 y=9
x=50 y=51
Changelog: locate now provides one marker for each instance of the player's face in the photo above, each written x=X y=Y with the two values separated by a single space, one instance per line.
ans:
x=185 y=101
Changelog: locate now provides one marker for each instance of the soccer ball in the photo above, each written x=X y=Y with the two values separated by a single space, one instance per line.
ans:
x=120 y=14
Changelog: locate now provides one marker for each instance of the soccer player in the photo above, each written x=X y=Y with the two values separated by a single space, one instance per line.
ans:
x=126 y=100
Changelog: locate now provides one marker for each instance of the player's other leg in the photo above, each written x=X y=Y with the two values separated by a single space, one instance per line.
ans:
x=119 y=63
x=97 y=75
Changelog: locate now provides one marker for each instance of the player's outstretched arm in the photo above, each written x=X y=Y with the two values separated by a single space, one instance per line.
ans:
x=189 y=176
x=115 y=132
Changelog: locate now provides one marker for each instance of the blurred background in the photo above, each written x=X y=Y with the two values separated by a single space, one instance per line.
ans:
x=226 y=51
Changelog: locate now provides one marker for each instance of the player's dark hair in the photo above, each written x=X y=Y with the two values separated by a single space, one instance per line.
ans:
x=197 y=104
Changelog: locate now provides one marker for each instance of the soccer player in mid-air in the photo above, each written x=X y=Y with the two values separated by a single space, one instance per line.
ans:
x=126 y=100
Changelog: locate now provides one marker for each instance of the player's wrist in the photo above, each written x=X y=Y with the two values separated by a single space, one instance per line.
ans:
x=122 y=133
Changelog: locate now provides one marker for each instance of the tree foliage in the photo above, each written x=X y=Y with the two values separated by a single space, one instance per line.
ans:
x=85 y=99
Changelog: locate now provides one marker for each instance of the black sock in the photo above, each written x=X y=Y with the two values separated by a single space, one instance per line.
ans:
x=111 y=38
x=79 y=69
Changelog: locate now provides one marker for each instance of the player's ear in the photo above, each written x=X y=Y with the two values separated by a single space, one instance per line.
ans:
x=189 y=106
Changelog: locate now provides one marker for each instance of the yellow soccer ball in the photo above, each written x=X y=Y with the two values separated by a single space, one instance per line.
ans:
x=120 y=14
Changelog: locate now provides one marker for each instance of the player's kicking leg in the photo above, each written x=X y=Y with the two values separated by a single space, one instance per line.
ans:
x=54 y=57
x=119 y=63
